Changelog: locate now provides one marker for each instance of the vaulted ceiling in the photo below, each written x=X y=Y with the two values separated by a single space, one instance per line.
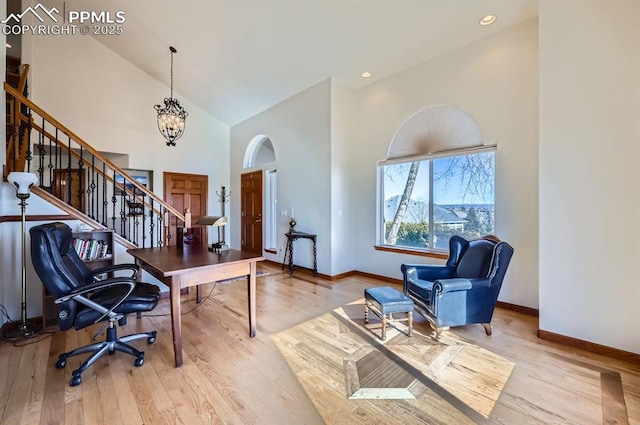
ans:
x=237 y=58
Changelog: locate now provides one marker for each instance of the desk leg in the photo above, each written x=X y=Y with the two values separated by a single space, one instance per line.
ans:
x=198 y=294
x=176 y=319
x=251 y=292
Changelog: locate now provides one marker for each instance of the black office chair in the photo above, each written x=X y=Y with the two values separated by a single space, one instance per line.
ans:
x=84 y=298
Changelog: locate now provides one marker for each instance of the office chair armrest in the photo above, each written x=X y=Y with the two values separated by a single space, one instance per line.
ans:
x=91 y=287
x=102 y=284
x=115 y=268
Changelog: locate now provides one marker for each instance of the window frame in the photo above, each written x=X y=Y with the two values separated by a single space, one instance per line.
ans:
x=380 y=223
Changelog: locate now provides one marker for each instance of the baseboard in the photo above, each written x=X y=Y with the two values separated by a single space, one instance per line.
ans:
x=342 y=275
x=591 y=347
x=519 y=308
x=378 y=277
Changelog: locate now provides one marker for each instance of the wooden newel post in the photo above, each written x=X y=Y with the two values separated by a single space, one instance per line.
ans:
x=187 y=218
x=165 y=222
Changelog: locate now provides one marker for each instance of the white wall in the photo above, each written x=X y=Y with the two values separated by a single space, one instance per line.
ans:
x=343 y=134
x=299 y=129
x=496 y=80
x=589 y=173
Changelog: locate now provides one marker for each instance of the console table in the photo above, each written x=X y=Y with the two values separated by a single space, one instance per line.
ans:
x=291 y=238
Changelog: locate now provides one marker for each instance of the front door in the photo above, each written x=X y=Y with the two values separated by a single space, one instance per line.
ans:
x=183 y=191
x=251 y=212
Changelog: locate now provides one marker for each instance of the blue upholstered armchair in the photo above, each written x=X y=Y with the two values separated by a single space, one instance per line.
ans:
x=463 y=291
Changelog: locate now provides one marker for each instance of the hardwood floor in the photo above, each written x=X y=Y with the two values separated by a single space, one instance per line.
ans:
x=229 y=378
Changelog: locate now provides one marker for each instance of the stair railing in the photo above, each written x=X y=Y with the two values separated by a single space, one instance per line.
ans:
x=84 y=179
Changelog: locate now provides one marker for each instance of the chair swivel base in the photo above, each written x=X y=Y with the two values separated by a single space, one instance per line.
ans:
x=110 y=345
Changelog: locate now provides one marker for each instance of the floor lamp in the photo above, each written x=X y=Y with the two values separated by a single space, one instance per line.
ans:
x=23 y=182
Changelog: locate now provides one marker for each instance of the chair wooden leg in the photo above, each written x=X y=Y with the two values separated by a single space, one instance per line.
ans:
x=437 y=330
x=366 y=311
x=487 y=328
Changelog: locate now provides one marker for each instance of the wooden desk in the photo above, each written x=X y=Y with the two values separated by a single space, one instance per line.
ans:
x=184 y=268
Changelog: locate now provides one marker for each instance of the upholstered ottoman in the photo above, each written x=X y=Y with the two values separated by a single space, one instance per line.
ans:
x=385 y=301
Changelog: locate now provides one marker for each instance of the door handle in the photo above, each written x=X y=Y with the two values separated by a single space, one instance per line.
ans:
x=259 y=220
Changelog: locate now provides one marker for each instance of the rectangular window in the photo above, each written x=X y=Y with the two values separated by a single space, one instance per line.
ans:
x=425 y=200
x=270 y=210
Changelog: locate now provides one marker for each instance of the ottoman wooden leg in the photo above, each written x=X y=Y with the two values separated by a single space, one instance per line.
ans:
x=366 y=311
x=410 y=317
x=384 y=327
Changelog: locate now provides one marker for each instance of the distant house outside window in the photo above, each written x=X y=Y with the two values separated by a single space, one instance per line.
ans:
x=425 y=200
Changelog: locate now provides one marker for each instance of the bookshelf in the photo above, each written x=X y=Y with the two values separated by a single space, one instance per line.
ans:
x=95 y=249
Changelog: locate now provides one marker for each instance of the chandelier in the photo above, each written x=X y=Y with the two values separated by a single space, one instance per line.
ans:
x=171 y=116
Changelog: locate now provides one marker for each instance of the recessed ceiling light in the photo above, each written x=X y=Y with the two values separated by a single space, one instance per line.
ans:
x=488 y=20
x=366 y=74
x=7 y=45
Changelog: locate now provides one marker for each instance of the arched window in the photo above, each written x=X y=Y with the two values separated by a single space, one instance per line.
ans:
x=260 y=151
x=438 y=180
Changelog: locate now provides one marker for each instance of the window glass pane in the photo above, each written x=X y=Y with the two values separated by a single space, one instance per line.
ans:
x=463 y=197
x=406 y=204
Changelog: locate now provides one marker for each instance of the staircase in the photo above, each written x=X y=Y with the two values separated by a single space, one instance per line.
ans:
x=78 y=179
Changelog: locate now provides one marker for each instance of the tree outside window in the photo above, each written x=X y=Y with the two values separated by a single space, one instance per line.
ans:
x=426 y=202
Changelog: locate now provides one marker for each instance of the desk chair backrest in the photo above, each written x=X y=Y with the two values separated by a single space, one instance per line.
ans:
x=58 y=265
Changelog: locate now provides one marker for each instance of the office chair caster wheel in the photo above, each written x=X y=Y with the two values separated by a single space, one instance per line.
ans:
x=75 y=381
x=139 y=361
x=152 y=338
x=61 y=363
x=112 y=352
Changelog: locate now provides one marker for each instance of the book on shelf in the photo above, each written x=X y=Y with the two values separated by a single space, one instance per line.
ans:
x=91 y=249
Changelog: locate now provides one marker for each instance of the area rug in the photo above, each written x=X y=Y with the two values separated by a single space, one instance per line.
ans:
x=344 y=367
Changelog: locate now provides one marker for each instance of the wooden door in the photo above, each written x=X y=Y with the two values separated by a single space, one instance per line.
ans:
x=251 y=212
x=70 y=187
x=183 y=191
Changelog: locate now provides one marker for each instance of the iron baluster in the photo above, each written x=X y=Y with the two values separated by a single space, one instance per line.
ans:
x=104 y=194
x=50 y=166
x=81 y=204
x=69 y=177
x=151 y=223
x=113 y=202
x=28 y=156
x=41 y=155
x=123 y=218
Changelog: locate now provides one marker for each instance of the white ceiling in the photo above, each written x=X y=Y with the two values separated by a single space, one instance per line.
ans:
x=237 y=58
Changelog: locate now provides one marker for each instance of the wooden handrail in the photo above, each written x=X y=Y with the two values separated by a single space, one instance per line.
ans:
x=18 y=97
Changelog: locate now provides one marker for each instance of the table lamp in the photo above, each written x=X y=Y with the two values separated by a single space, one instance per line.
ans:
x=219 y=222
x=23 y=182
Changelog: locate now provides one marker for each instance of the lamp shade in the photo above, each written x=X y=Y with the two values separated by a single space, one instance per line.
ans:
x=210 y=220
x=22 y=181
